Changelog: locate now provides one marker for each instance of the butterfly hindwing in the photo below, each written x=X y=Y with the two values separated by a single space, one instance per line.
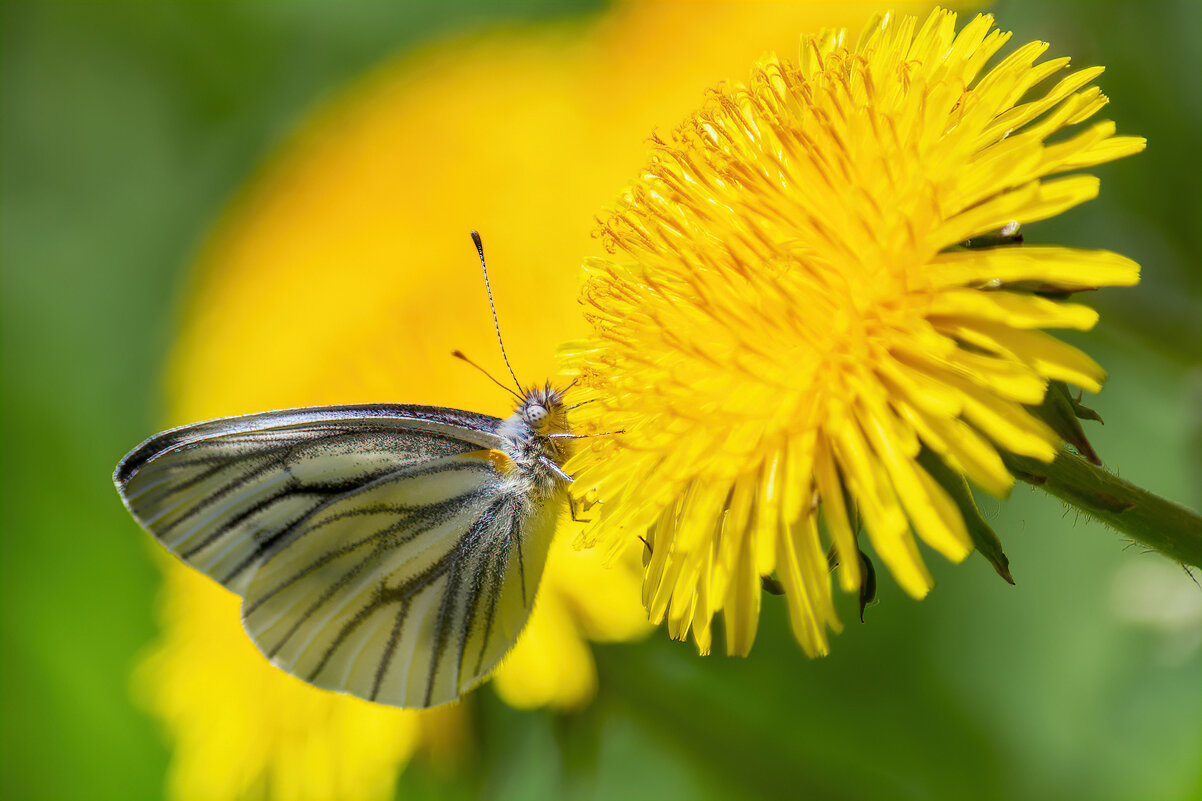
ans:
x=407 y=592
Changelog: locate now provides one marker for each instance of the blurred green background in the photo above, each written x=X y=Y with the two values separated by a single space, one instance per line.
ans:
x=121 y=141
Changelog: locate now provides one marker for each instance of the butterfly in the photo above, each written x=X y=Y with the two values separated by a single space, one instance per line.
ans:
x=387 y=551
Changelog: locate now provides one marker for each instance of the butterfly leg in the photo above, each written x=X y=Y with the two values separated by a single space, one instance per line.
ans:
x=566 y=435
x=555 y=469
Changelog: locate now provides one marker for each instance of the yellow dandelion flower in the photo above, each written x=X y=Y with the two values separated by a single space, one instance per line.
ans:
x=786 y=322
x=345 y=275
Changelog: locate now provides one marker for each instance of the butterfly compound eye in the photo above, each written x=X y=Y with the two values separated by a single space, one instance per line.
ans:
x=536 y=415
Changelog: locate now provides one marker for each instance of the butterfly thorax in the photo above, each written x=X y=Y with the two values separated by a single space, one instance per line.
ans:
x=526 y=437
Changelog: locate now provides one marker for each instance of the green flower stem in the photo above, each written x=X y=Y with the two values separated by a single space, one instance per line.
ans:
x=1171 y=529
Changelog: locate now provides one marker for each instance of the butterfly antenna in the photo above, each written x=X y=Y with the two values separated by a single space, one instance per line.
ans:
x=496 y=323
x=458 y=354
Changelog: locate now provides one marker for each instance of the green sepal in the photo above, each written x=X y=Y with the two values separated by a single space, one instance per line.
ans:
x=983 y=537
x=1082 y=411
x=867 y=583
x=1064 y=414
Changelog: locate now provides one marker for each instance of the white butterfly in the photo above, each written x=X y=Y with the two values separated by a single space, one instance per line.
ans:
x=391 y=552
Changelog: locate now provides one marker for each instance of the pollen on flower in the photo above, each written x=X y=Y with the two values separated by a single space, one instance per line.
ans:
x=785 y=320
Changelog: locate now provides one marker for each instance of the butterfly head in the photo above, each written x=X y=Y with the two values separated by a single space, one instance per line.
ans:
x=543 y=410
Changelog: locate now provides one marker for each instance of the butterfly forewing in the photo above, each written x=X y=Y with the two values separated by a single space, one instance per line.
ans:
x=376 y=548
x=221 y=495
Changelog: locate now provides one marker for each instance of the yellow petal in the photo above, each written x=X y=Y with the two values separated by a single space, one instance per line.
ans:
x=1013 y=309
x=1061 y=267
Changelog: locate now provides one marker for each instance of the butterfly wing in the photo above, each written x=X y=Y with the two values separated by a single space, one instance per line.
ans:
x=379 y=550
x=401 y=594
x=223 y=495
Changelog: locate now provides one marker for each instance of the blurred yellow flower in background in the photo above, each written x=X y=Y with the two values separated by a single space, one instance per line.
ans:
x=783 y=326
x=344 y=274
x=245 y=729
